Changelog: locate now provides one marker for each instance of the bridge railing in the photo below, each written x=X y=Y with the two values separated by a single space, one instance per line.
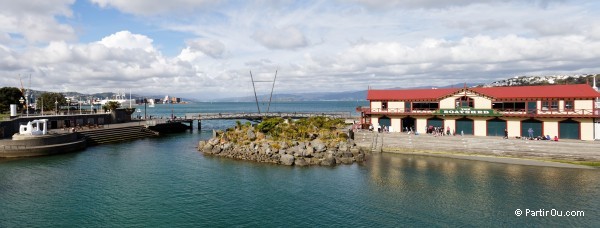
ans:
x=255 y=115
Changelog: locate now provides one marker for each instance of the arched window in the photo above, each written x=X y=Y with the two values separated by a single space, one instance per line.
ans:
x=464 y=102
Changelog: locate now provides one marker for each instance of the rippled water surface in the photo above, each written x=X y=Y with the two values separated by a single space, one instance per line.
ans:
x=165 y=182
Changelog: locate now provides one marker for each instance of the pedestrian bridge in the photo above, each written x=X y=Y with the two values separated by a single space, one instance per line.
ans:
x=259 y=116
x=189 y=118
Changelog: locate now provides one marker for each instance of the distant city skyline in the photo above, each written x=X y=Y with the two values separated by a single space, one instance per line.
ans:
x=205 y=49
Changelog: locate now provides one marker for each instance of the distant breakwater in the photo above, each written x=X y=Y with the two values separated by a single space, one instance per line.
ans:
x=296 y=153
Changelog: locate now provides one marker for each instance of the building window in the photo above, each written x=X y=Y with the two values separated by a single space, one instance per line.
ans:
x=549 y=105
x=425 y=105
x=464 y=102
x=384 y=105
x=554 y=105
x=509 y=106
x=569 y=105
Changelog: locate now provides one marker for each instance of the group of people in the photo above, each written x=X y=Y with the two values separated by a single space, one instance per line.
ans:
x=380 y=129
x=531 y=136
x=439 y=131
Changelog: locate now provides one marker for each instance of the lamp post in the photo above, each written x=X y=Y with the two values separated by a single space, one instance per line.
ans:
x=22 y=102
x=68 y=106
x=27 y=102
x=56 y=106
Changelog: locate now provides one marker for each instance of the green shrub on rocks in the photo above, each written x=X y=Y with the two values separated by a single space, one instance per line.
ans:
x=301 y=130
x=311 y=141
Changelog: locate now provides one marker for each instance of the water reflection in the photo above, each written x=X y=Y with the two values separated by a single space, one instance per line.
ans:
x=492 y=191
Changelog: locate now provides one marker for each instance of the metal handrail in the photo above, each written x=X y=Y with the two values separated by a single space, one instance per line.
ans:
x=534 y=112
x=244 y=115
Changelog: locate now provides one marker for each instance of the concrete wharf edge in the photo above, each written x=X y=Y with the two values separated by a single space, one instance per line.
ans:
x=489 y=149
x=64 y=141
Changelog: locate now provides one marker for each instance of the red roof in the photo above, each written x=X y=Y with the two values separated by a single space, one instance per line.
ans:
x=409 y=94
x=547 y=91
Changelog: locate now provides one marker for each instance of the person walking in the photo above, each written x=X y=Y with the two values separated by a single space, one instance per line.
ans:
x=505 y=133
x=530 y=131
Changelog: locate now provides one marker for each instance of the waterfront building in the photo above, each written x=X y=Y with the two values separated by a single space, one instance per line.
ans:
x=566 y=111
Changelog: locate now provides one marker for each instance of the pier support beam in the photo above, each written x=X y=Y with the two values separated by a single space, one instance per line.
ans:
x=199 y=125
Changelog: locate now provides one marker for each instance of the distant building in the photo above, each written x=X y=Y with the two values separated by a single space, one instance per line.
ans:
x=566 y=111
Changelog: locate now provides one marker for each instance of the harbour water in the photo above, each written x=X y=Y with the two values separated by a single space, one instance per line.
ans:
x=165 y=182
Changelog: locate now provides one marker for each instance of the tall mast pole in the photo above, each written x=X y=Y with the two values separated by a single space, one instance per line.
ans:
x=254 y=87
x=28 y=93
x=130 y=98
x=275 y=78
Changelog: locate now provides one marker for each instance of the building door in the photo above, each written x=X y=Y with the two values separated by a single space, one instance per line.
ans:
x=531 y=107
x=568 y=129
x=67 y=124
x=464 y=126
x=535 y=125
x=436 y=122
x=495 y=127
x=53 y=124
x=385 y=121
x=408 y=123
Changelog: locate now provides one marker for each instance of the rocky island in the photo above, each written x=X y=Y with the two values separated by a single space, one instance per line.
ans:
x=311 y=141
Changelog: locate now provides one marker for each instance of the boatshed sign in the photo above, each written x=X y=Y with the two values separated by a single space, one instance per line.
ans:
x=467 y=112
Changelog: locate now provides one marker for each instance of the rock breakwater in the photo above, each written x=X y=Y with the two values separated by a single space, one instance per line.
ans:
x=314 y=152
x=303 y=142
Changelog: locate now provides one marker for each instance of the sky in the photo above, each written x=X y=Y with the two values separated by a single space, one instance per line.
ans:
x=206 y=49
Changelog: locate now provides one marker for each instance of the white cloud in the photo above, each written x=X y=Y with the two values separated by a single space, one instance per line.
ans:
x=316 y=45
x=388 y=4
x=153 y=7
x=212 y=48
x=287 y=38
x=127 y=40
x=35 y=21
x=120 y=60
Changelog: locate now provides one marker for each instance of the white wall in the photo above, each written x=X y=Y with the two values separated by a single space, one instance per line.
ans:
x=551 y=127
x=375 y=105
x=420 y=124
x=396 y=121
x=587 y=128
x=597 y=126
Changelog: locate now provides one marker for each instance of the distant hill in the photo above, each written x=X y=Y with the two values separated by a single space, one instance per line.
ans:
x=545 y=80
x=337 y=96
x=327 y=96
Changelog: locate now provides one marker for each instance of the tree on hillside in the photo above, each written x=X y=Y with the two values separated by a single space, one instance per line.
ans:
x=8 y=96
x=48 y=100
x=111 y=105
